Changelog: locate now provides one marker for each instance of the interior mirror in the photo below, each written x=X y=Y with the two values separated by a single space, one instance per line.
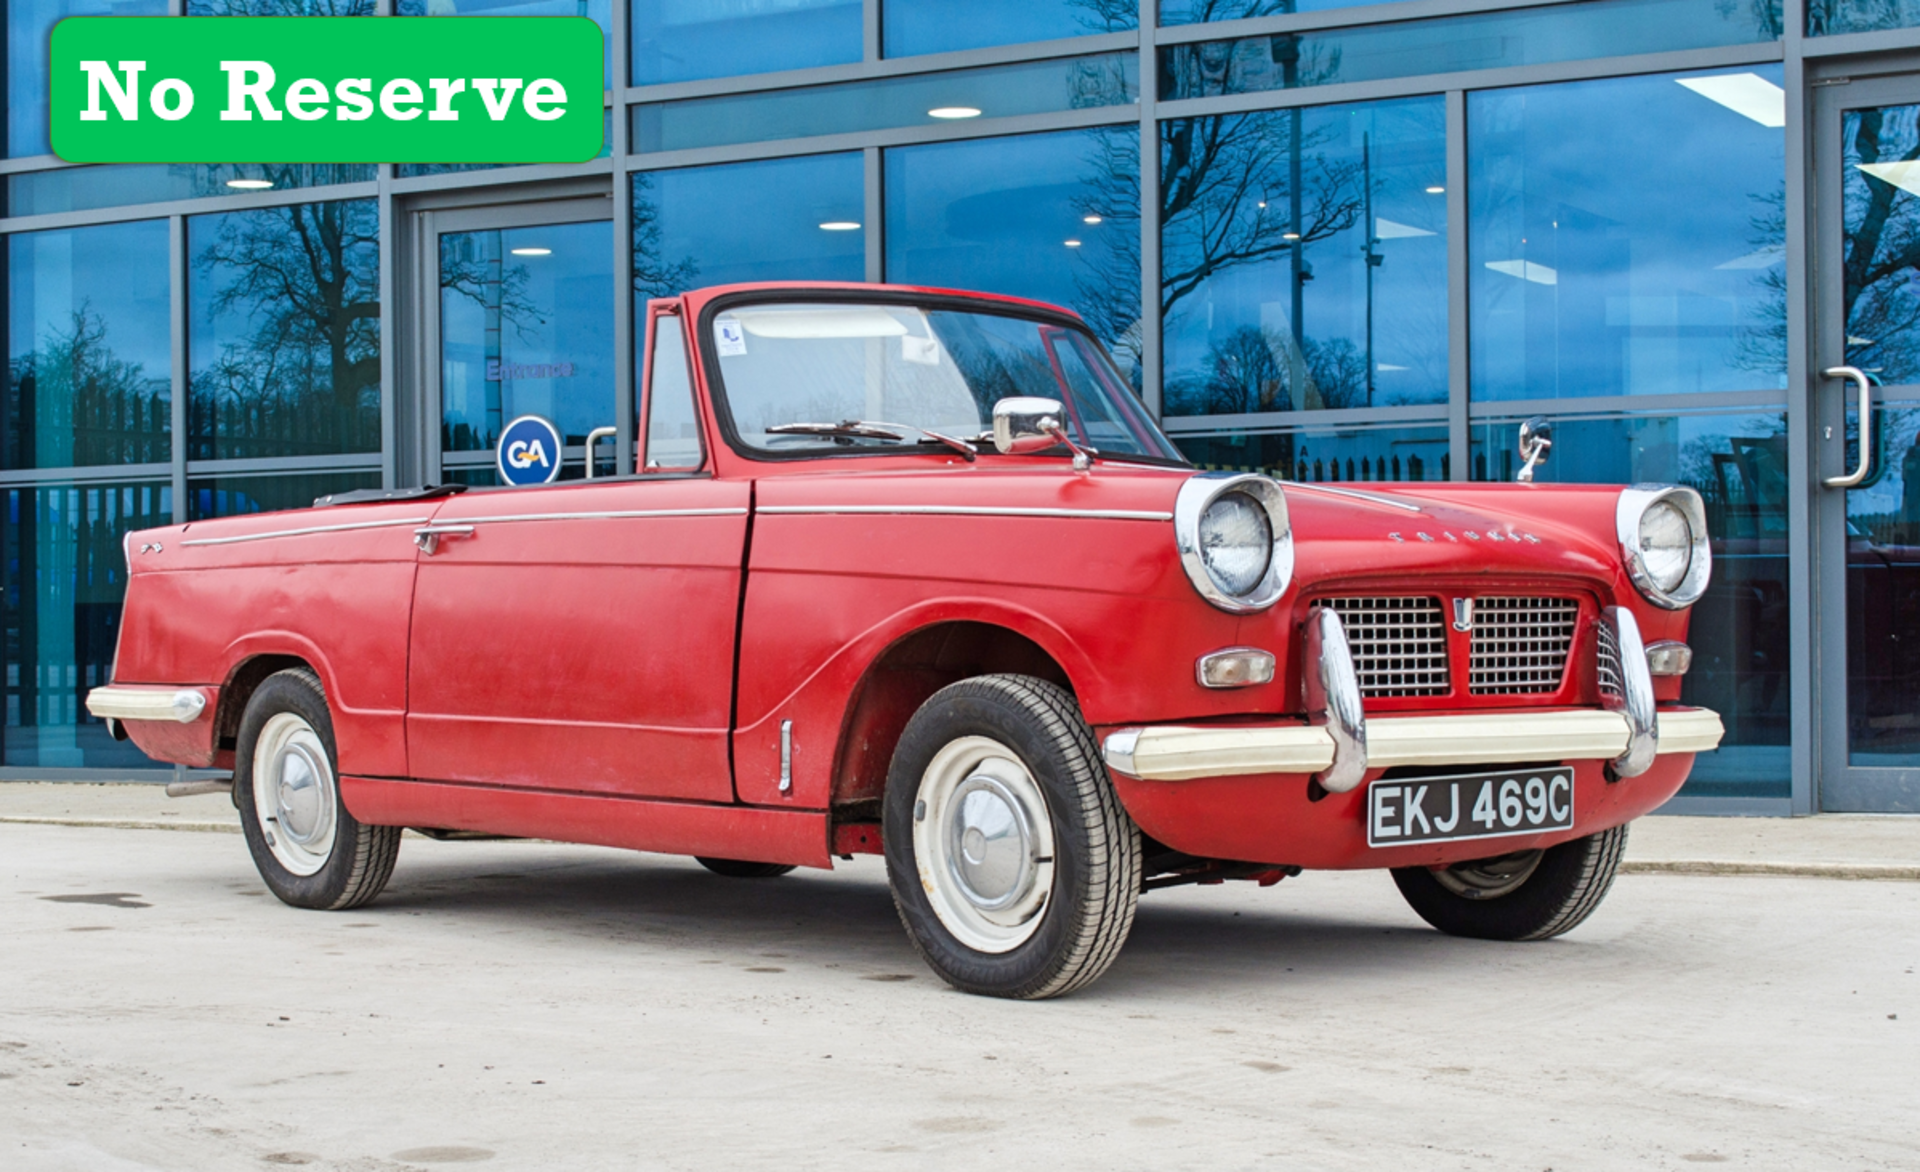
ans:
x=1536 y=439
x=1026 y=423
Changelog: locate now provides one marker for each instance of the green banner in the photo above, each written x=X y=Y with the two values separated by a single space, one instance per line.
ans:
x=297 y=89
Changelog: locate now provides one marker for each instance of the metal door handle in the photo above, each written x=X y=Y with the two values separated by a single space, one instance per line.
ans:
x=427 y=537
x=1865 y=464
x=594 y=437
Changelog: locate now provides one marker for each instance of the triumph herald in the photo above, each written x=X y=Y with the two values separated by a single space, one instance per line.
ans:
x=912 y=572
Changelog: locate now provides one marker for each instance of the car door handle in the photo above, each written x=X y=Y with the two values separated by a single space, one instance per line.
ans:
x=1865 y=462
x=428 y=537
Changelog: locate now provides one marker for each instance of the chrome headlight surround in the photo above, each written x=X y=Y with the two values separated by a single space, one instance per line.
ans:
x=1196 y=496
x=1633 y=505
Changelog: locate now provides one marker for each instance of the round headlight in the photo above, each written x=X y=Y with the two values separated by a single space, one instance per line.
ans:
x=1666 y=545
x=1234 y=539
x=1236 y=542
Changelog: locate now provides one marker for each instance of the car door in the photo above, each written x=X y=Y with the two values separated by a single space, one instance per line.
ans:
x=580 y=637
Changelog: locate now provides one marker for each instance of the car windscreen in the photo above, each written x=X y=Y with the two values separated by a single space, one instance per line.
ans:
x=912 y=369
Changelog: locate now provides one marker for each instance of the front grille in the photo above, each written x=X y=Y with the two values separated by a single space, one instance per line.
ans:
x=1399 y=644
x=1611 y=682
x=1520 y=645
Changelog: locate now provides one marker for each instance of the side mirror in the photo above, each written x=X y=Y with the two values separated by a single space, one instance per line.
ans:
x=1025 y=424
x=1536 y=439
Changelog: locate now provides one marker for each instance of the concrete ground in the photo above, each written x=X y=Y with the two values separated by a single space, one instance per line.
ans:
x=535 y=1006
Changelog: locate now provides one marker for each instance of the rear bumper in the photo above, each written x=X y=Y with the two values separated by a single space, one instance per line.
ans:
x=1182 y=753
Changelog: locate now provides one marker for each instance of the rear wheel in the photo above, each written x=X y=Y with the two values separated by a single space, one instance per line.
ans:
x=1013 y=867
x=309 y=849
x=1528 y=895
x=740 y=869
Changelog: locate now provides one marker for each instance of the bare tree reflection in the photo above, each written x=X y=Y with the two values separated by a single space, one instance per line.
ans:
x=72 y=388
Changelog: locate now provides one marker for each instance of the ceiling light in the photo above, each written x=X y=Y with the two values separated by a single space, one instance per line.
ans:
x=1436 y=189
x=1089 y=219
x=952 y=112
x=1289 y=235
x=1526 y=270
x=840 y=226
x=250 y=184
x=531 y=251
x=1746 y=94
x=1263 y=203
x=1904 y=174
x=1073 y=244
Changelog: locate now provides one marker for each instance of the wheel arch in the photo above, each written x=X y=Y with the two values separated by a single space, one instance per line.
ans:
x=250 y=669
x=903 y=676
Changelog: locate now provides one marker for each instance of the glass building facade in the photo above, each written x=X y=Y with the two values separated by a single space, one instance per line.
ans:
x=1339 y=242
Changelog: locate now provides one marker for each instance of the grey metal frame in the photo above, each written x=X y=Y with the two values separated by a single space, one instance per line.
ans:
x=410 y=425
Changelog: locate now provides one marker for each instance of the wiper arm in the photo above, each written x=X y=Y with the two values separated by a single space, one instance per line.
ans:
x=867 y=429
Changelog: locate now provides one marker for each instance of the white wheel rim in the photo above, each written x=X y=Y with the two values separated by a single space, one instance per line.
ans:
x=983 y=843
x=294 y=794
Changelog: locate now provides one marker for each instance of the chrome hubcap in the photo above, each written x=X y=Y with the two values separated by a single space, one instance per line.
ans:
x=293 y=793
x=983 y=844
x=1489 y=878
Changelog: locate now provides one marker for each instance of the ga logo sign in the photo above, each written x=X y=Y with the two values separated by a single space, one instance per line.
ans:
x=529 y=451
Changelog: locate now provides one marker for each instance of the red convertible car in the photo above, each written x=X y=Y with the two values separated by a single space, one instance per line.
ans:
x=911 y=572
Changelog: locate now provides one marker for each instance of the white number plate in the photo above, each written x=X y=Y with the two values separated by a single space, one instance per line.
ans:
x=1471 y=805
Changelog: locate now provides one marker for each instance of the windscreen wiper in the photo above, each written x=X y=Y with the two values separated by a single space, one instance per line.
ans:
x=868 y=429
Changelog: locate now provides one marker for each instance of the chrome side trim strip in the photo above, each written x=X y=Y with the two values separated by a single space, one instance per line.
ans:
x=183 y=705
x=600 y=515
x=1177 y=753
x=1370 y=498
x=967 y=511
x=310 y=529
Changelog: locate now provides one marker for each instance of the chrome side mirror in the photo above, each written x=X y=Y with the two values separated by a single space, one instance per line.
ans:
x=1024 y=424
x=1536 y=439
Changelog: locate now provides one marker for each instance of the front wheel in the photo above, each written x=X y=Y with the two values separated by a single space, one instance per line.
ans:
x=309 y=849
x=1528 y=895
x=1013 y=867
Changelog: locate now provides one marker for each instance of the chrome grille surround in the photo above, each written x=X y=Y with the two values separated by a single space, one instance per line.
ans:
x=1520 y=645
x=1399 y=645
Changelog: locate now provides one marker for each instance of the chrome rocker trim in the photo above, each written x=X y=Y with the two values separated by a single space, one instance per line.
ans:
x=182 y=705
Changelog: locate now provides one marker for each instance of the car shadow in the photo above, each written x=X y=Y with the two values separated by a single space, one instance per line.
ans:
x=846 y=920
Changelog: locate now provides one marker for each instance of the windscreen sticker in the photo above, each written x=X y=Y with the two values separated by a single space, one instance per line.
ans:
x=729 y=337
x=925 y=351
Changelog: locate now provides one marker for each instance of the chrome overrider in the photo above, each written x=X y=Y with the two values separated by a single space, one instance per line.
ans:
x=1338 y=744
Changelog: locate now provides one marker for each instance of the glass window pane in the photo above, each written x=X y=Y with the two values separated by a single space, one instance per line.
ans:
x=1494 y=40
x=78 y=189
x=526 y=328
x=414 y=170
x=1859 y=16
x=233 y=496
x=778 y=220
x=1054 y=217
x=673 y=430
x=283 y=331
x=88 y=356
x=939 y=26
x=1177 y=12
x=1036 y=87
x=1881 y=219
x=65 y=576
x=598 y=11
x=1324 y=454
x=1738 y=633
x=1627 y=236
x=687 y=40
x=1304 y=259
x=1883 y=586
x=29 y=24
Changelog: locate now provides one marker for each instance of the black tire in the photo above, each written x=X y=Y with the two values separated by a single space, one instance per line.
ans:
x=1086 y=889
x=356 y=862
x=1566 y=883
x=741 y=869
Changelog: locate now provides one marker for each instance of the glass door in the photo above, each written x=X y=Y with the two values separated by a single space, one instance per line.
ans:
x=518 y=320
x=1866 y=467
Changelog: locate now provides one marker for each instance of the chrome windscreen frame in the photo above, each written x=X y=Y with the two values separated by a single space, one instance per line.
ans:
x=1196 y=495
x=1633 y=504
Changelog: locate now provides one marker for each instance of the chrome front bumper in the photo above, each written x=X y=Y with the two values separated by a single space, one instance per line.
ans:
x=1339 y=744
x=1180 y=753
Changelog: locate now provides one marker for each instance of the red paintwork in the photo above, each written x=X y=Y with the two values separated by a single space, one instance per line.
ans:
x=576 y=679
